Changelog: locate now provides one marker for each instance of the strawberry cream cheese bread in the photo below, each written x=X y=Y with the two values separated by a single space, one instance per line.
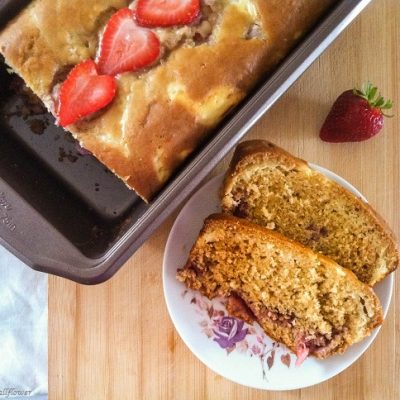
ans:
x=141 y=84
x=300 y=298
x=269 y=186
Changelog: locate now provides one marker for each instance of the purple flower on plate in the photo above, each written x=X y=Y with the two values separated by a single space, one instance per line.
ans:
x=229 y=332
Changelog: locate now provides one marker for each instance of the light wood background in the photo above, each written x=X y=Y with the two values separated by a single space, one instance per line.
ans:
x=116 y=341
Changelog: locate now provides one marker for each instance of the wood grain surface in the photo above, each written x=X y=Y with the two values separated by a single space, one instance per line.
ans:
x=116 y=341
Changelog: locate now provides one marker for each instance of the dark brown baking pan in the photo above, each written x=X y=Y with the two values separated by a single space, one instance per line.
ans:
x=9 y=9
x=64 y=213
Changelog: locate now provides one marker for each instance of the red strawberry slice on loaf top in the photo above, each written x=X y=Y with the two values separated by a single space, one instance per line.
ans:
x=125 y=46
x=162 y=13
x=84 y=92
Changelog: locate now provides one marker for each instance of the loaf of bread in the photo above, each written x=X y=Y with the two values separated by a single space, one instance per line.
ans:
x=269 y=186
x=162 y=113
x=300 y=298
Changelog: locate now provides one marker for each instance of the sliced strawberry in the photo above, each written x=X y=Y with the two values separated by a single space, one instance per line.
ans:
x=126 y=46
x=153 y=13
x=302 y=352
x=84 y=92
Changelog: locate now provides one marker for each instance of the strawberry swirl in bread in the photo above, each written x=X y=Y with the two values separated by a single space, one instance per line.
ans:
x=141 y=84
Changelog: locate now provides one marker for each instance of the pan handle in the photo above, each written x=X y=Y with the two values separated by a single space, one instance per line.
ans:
x=20 y=228
x=30 y=237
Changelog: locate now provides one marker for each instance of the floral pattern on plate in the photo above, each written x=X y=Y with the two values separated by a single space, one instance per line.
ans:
x=217 y=342
x=233 y=334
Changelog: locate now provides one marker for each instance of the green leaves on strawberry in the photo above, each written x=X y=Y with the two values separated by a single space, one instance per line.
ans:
x=355 y=116
x=369 y=92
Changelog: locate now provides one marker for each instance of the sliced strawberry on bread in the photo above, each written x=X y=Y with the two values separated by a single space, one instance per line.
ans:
x=162 y=13
x=125 y=46
x=84 y=92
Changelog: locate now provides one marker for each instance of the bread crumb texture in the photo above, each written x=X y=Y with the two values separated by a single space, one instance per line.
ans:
x=274 y=189
x=297 y=296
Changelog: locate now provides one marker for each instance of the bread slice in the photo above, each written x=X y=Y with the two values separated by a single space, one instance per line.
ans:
x=300 y=298
x=269 y=186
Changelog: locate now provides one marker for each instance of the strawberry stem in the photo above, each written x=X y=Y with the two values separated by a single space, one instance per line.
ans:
x=369 y=92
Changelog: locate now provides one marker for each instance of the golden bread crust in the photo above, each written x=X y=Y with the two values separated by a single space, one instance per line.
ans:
x=160 y=115
x=257 y=151
x=217 y=271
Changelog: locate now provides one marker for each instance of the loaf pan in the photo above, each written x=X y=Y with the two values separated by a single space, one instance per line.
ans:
x=64 y=213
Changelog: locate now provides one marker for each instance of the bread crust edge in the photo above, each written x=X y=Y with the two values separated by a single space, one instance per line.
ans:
x=251 y=149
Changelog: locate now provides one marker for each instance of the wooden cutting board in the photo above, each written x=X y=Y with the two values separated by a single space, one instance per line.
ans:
x=116 y=341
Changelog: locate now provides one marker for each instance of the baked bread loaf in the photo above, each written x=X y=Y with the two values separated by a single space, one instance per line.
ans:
x=161 y=113
x=269 y=186
x=300 y=298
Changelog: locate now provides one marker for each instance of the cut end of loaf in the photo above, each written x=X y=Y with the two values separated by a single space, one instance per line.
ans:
x=269 y=186
x=300 y=298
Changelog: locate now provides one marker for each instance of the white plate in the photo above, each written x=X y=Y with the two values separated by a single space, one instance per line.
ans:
x=252 y=358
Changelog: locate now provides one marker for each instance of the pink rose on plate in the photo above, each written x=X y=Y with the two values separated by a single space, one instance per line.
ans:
x=229 y=332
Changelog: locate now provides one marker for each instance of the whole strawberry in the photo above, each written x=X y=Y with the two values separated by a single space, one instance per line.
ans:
x=355 y=116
